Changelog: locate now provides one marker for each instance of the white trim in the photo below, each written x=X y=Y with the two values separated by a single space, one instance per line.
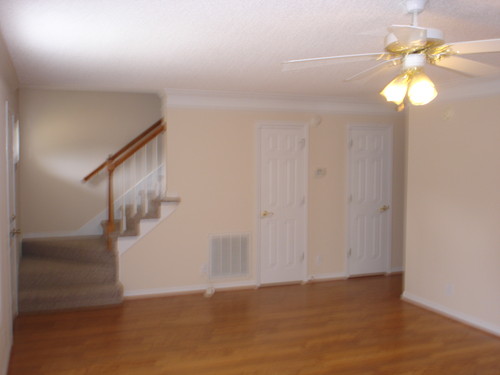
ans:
x=7 y=309
x=347 y=199
x=450 y=313
x=257 y=242
x=273 y=102
x=6 y=344
x=396 y=270
x=306 y=128
x=328 y=277
x=158 y=292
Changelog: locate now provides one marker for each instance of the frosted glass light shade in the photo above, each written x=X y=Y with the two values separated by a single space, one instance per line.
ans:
x=421 y=90
x=395 y=91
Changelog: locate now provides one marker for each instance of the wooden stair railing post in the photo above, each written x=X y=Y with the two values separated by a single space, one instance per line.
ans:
x=117 y=159
x=110 y=226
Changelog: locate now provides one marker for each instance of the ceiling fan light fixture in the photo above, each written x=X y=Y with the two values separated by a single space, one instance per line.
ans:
x=421 y=89
x=413 y=47
x=396 y=90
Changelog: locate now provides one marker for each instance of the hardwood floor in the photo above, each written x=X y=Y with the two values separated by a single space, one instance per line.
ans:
x=358 y=326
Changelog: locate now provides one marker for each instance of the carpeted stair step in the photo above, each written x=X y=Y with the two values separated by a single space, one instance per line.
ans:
x=67 y=272
x=69 y=297
x=36 y=272
x=92 y=249
x=130 y=230
x=134 y=215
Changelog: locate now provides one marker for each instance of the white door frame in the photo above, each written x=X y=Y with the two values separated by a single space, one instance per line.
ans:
x=390 y=129
x=11 y=144
x=258 y=209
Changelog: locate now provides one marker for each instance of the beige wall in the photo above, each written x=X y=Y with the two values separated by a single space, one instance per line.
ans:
x=8 y=86
x=212 y=166
x=453 y=209
x=64 y=136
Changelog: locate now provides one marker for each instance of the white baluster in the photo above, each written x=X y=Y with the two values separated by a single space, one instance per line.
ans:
x=163 y=162
x=154 y=166
x=123 y=218
x=145 y=207
x=135 y=178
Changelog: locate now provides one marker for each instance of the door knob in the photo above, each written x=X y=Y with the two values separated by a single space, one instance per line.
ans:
x=266 y=214
x=384 y=208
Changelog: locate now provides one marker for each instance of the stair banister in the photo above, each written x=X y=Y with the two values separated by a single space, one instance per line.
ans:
x=117 y=159
x=114 y=156
x=140 y=144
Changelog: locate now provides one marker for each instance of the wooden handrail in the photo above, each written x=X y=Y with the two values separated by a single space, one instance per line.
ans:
x=117 y=159
x=116 y=163
x=123 y=149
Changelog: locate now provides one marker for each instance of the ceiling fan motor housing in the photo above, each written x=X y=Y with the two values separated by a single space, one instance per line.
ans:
x=431 y=38
x=415 y=60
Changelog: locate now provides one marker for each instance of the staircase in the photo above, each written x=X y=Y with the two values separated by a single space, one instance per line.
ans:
x=75 y=272
x=67 y=272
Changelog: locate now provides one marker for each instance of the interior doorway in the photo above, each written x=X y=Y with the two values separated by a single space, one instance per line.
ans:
x=370 y=183
x=12 y=146
x=282 y=170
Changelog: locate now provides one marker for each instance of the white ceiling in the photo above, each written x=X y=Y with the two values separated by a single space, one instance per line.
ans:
x=222 y=45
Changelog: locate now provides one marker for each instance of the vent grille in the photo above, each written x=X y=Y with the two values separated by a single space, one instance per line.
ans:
x=229 y=255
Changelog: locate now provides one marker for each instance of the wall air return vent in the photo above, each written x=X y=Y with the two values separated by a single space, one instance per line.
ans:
x=229 y=255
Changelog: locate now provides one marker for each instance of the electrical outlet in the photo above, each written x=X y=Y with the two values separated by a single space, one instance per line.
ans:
x=318 y=259
x=320 y=172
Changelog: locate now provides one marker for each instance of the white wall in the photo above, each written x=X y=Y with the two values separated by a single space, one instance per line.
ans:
x=453 y=210
x=64 y=136
x=212 y=166
x=8 y=86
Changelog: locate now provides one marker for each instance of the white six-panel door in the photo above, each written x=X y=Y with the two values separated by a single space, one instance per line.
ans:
x=370 y=180
x=283 y=156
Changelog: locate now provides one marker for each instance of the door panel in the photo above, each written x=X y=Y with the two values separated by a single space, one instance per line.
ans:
x=282 y=203
x=370 y=173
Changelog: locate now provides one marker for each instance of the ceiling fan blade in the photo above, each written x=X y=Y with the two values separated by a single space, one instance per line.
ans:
x=323 y=61
x=374 y=69
x=468 y=67
x=476 y=46
x=409 y=36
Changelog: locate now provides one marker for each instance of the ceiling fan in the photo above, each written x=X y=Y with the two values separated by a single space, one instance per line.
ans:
x=412 y=47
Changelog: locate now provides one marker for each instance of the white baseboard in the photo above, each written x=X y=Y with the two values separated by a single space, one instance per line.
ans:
x=327 y=277
x=453 y=314
x=396 y=270
x=158 y=292
x=5 y=346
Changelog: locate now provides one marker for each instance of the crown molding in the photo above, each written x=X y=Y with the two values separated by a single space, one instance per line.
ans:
x=173 y=98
